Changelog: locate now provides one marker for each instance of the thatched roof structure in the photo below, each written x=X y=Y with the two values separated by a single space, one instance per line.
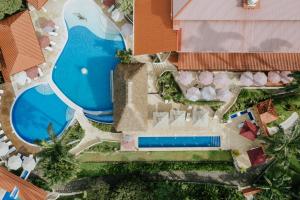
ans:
x=130 y=97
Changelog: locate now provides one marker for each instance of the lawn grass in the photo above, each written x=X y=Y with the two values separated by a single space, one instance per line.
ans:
x=155 y=156
x=105 y=147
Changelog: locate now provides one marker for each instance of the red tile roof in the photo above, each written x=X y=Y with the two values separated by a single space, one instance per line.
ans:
x=239 y=61
x=38 y=4
x=256 y=156
x=153 y=31
x=249 y=130
x=27 y=190
x=267 y=111
x=19 y=44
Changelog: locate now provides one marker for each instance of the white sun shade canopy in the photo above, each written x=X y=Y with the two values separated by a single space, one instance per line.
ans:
x=208 y=93
x=193 y=94
x=221 y=80
x=185 y=78
x=260 y=79
x=246 y=79
x=206 y=78
x=14 y=162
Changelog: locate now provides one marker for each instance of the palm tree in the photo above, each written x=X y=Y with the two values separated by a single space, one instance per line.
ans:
x=56 y=163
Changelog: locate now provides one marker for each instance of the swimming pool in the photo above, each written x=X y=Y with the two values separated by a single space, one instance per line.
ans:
x=83 y=71
x=35 y=109
x=180 y=141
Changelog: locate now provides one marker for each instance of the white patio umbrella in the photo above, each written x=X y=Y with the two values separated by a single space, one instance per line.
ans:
x=260 y=79
x=127 y=29
x=208 y=93
x=21 y=78
x=285 y=77
x=246 y=79
x=14 y=162
x=274 y=77
x=206 y=78
x=29 y=163
x=193 y=94
x=185 y=78
x=221 y=80
x=224 y=94
x=4 y=148
x=117 y=15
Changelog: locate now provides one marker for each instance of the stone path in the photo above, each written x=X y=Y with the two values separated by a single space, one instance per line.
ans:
x=92 y=135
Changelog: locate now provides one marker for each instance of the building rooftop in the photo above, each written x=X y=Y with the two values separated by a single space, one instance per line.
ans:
x=256 y=156
x=38 y=4
x=19 y=44
x=153 y=31
x=249 y=130
x=27 y=190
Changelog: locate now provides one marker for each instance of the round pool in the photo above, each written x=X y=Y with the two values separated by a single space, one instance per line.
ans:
x=35 y=109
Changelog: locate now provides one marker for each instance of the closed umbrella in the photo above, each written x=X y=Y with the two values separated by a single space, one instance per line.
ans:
x=208 y=93
x=185 y=78
x=274 y=77
x=246 y=79
x=221 y=80
x=224 y=94
x=29 y=163
x=285 y=78
x=14 y=162
x=193 y=94
x=206 y=78
x=4 y=148
x=260 y=79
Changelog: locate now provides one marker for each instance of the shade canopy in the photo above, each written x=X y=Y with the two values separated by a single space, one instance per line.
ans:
x=185 y=78
x=221 y=80
x=127 y=29
x=4 y=148
x=208 y=93
x=29 y=163
x=260 y=79
x=274 y=77
x=117 y=15
x=246 y=79
x=44 y=41
x=193 y=94
x=285 y=78
x=224 y=94
x=46 y=24
x=20 y=77
x=14 y=162
x=206 y=78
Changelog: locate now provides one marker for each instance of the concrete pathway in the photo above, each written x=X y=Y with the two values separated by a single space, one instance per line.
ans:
x=92 y=135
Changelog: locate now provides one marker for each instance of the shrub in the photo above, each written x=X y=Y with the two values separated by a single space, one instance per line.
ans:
x=105 y=147
x=9 y=7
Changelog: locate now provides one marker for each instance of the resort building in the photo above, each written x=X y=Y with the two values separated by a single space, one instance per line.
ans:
x=38 y=4
x=20 y=49
x=223 y=35
x=23 y=189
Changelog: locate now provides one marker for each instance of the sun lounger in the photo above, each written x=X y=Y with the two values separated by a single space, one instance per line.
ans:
x=52 y=43
x=25 y=174
x=1 y=132
x=3 y=138
x=9 y=143
x=49 y=49
x=1 y=91
x=56 y=27
x=14 y=194
x=111 y=9
x=40 y=72
x=53 y=33
x=11 y=150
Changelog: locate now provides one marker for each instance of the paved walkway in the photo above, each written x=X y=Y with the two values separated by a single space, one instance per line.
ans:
x=92 y=135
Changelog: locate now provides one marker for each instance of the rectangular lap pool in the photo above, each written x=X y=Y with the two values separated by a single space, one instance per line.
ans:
x=180 y=141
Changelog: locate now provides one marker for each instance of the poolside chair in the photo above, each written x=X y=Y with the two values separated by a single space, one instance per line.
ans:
x=1 y=132
x=53 y=33
x=11 y=150
x=3 y=138
x=111 y=9
x=52 y=43
x=56 y=27
x=49 y=49
x=25 y=174
x=40 y=72
x=14 y=194
x=1 y=91
x=9 y=143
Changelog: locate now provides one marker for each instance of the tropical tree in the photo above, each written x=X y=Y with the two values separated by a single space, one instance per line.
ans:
x=8 y=7
x=56 y=163
x=126 y=6
x=125 y=56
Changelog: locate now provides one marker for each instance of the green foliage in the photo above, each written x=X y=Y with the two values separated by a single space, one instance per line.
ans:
x=9 y=7
x=73 y=133
x=100 y=191
x=125 y=56
x=103 y=127
x=169 y=90
x=39 y=182
x=116 y=168
x=56 y=163
x=105 y=147
x=126 y=6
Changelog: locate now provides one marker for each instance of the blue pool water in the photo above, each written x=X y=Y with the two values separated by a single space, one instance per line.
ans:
x=182 y=141
x=34 y=109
